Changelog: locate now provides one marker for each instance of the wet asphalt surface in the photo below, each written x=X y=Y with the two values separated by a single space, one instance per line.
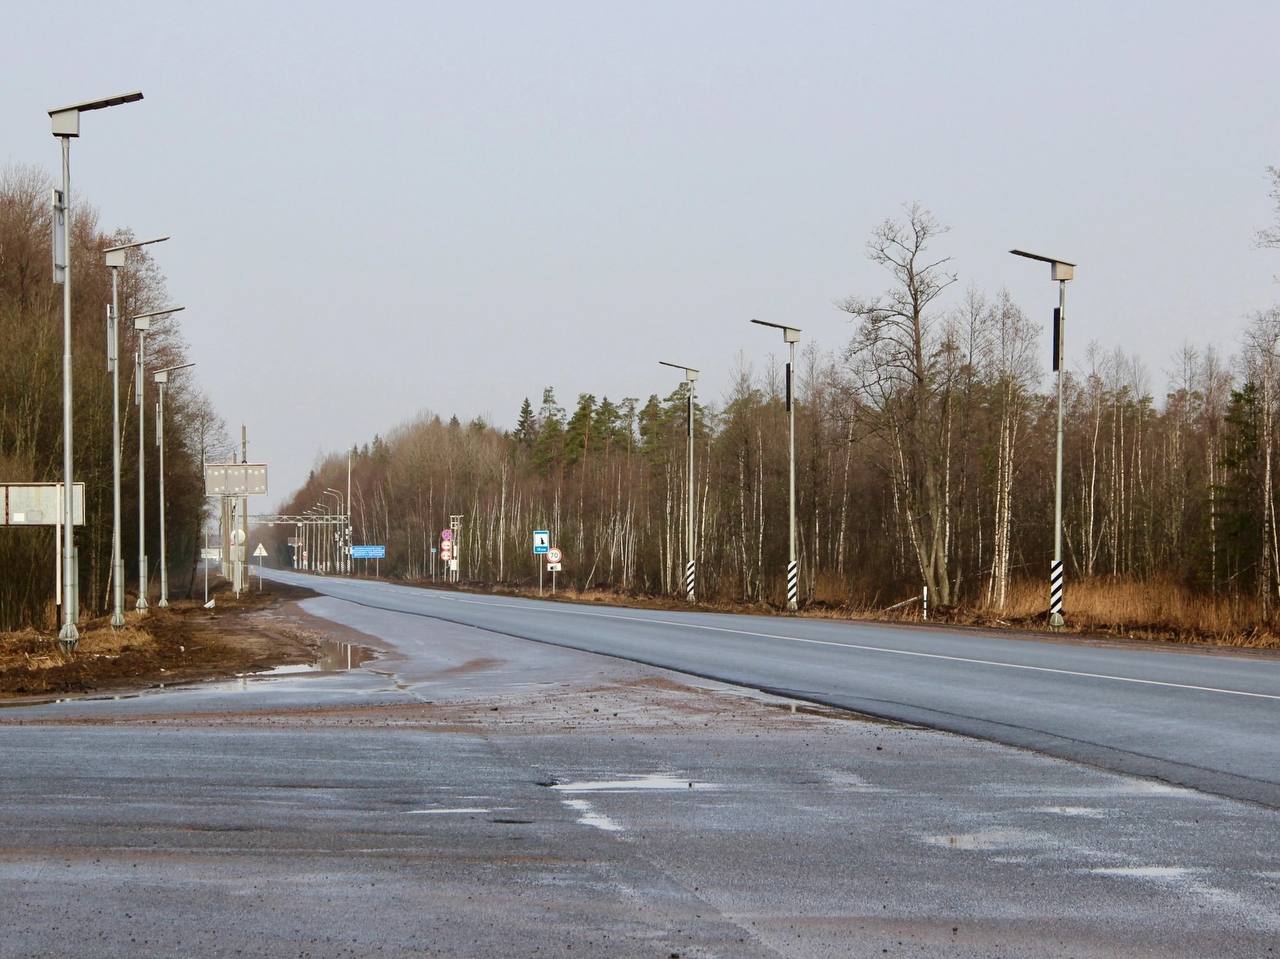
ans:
x=474 y=794
x=1206 y=720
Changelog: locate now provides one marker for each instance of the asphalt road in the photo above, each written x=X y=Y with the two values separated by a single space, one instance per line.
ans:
x=468 y=793
x=1207 y=720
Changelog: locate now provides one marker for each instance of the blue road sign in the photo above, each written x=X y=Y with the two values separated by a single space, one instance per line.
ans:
x=541 y=541
x=368 y=552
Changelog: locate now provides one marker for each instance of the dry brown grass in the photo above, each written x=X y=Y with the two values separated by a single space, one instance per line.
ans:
x=1157 y=608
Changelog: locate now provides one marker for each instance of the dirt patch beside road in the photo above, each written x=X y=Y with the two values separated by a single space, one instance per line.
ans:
x=183 y=643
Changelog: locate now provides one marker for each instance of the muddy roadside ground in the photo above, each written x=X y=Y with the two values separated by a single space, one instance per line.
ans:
x=181 y=644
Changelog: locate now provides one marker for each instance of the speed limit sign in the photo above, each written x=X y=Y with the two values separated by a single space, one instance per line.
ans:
x=553 y=555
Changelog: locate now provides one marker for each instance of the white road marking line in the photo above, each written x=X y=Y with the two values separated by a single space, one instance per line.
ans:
x=433 y=594
x=877 y=649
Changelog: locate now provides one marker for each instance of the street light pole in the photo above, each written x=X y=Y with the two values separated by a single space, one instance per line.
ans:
x=65 y=122
x=330 y=491
x=1060 y=271
x=141 y=325
x=162 y=380
x=115 y=259
x=791 y=336
x=690 y=566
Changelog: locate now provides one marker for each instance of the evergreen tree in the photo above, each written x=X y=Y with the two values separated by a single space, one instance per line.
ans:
x=549 y=446
x=526 y=426
x=578 y=439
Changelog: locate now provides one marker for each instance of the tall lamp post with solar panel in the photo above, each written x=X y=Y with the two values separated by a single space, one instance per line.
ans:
x=141 y=326
x=1060 y=271
x=162 y=380
x=690 y=565
x=791 y=336
x=115 y=259
x=65 y=122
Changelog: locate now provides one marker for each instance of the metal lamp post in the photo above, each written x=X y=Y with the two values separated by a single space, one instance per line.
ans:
x=162 y=380
x=141 y=325
x=321 y=544
x=307 y=553
x=1060 y=271
x=115 y=259
x=690 y=566
x=337 y=545
x=65 y=122
x=791 y=336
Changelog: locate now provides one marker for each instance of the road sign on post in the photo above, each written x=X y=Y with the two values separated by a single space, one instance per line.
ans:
x=368 y=552
x=235 y=479
x=37 y=504
x=553 y=555
x=541 y=542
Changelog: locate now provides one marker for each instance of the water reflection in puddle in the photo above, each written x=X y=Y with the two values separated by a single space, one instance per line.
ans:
x=331 y=657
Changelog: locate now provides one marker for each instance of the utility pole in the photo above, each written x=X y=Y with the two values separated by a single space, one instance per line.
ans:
x=690 y=565
x=1060 y=272
x=791 y=336
x=455 y=524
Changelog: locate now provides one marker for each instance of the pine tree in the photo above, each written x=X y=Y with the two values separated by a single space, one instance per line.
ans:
x=578 y=439
x=526 y=426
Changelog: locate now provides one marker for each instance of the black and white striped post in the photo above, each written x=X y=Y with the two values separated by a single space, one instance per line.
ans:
x=690 y=566
x=791 y=336
x=1061 y=271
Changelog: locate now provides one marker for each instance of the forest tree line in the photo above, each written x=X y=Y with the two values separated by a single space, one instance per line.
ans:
x=31 y=406
x=925 y=456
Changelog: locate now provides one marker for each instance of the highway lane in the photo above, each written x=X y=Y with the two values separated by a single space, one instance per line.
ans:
x=1210 y=721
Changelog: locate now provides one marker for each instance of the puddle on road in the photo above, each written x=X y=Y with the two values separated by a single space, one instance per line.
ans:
x=988 y=839
x=636 y=783
x=587 y=816
x=1143 y=872
x=1085 y=812
x=331 y=657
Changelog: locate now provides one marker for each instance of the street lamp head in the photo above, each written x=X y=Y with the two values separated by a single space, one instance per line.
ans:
x=66 y=120
x=142 y=321
x=162 y=376
x=115 y=254
x=1058 y=269
x=790 y=334
x=690 y=374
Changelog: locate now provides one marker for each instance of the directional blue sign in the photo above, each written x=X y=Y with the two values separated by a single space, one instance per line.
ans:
x=541 y=541
x=368 y=552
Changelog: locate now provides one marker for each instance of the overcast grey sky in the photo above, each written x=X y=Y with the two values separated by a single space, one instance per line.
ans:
x=379 y=208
